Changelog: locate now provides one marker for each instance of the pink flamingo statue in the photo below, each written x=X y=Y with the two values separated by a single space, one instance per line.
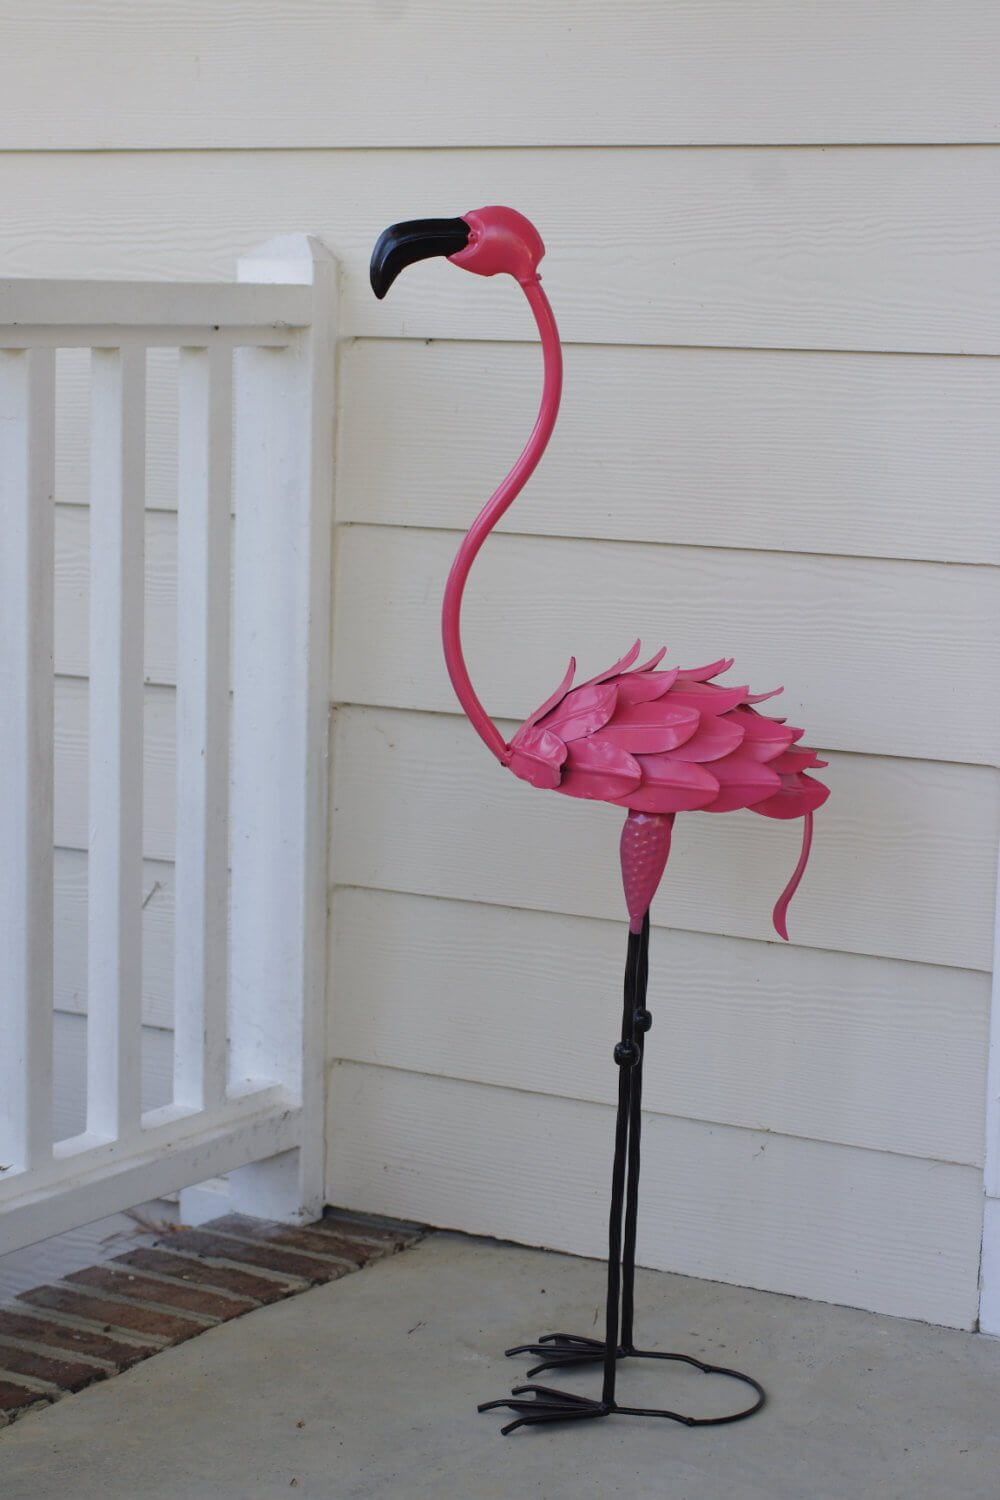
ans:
x=655 y=742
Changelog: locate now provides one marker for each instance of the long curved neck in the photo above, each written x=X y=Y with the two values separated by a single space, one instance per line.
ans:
x=490 y=514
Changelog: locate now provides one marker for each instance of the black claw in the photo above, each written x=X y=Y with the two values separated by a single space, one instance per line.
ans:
x=549 y=1343
x=560 y=1351
x=564 y=1362
x=548 y=1394
x=575 y=1340
x=540 y=1403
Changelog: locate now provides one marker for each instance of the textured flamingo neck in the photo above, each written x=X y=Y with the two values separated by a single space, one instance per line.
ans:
x=490 y=514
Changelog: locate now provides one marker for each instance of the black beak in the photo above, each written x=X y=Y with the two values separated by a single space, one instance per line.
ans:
x=417 y=239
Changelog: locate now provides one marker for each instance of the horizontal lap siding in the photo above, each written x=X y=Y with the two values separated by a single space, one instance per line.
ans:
x=892 y=1233
x=891 y=455
x=159 y=744
x=70 y=977
x=793 y=502
x=73 y=427
x=903 y=862
x=72 y=836
x=879 y=249
x=882 y=641
x=747 y=1034
x=252 y=75
x=72 y=623
x=889 y=658
x=69 y=1072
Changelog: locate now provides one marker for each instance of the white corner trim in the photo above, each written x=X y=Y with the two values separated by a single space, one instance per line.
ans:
x=989 y=1288
x=989 y=1281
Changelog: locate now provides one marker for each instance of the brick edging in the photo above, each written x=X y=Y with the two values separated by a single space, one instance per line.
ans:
x=104 y=1319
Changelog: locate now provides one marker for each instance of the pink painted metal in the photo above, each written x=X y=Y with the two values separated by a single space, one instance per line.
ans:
x=645 y=845
x=653 y=742
x=515 y=233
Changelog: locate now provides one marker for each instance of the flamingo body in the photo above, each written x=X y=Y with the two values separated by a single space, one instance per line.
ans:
x=651 y=741
x=666 y=742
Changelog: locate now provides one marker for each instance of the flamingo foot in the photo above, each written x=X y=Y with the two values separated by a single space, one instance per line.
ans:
x=540 y=1403
x=562 y=1350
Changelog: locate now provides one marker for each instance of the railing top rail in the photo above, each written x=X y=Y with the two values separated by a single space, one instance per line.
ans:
x=146 y=335
x=213 y=306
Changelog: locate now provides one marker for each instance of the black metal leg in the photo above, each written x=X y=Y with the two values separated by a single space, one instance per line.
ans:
x=535 y=1404
x=628 y=1054
x=560 y=1350
x=641 y=1022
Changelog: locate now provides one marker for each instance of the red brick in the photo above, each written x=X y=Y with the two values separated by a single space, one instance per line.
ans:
x=255 y=1288
x=326 y=1242
x=268 y=1257
x=14 y=1398
x=204 y=1304
x=389 y=1234
x=74 y=1340
x=295 y=1238
x=293 y=1256
x=159 y=1325
x=67 y=1374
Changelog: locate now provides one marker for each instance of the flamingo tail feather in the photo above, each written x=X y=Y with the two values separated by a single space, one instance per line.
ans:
x=781 y=905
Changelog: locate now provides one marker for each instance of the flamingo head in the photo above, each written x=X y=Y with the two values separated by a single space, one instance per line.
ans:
x=487 y=241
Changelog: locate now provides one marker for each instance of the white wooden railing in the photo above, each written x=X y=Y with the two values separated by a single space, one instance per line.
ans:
x=255 y=435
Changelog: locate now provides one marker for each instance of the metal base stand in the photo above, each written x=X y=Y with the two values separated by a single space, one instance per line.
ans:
x=539 y=1403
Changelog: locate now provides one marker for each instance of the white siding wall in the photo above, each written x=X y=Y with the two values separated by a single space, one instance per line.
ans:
x=774 y=233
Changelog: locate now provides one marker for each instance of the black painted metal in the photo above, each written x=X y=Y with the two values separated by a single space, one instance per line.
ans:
x=641 y=1021
x=417 y=239
x=534 y=1404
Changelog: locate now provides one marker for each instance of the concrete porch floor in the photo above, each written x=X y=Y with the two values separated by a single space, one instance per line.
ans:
x=368 y=1388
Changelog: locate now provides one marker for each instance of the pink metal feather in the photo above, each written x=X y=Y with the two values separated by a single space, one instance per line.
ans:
x=653 y=742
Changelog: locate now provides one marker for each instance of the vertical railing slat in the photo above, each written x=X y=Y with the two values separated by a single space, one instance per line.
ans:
x=117 y=523
x=204 y=456
x=27 y=439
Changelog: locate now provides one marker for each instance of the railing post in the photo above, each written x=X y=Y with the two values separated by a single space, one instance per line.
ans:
x=283 y=487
